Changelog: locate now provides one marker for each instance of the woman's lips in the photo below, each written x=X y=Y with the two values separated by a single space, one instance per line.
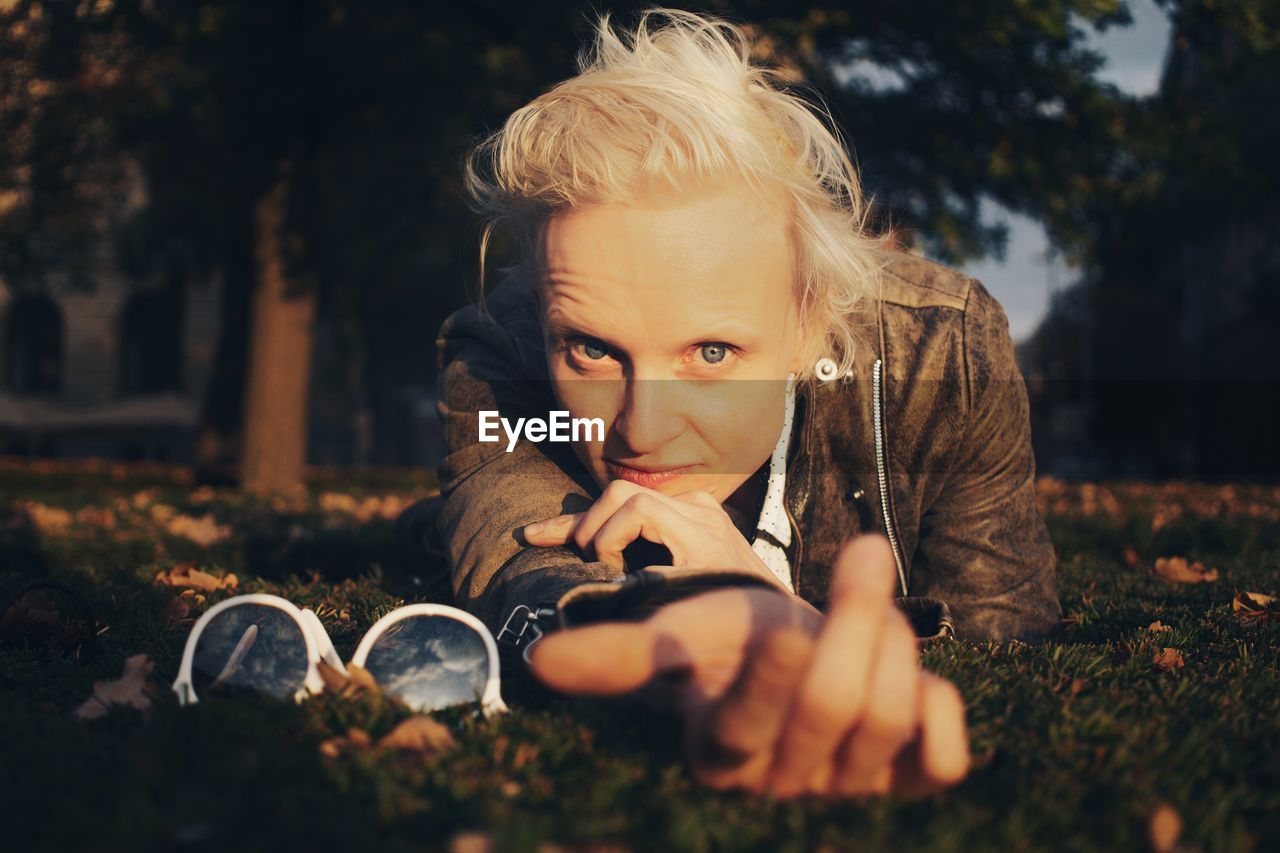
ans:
x=650 y=478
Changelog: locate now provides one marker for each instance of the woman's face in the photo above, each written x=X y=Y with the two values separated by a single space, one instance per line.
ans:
x=672 y=319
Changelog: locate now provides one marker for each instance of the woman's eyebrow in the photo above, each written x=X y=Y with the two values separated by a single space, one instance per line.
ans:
x=731 y=333
x=560 y=326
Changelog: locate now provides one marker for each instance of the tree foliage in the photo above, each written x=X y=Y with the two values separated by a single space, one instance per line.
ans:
x=1170 y=337
x=367 y=110
x=944 y=103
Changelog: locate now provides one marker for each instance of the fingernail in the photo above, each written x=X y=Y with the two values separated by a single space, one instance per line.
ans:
x=534 y=528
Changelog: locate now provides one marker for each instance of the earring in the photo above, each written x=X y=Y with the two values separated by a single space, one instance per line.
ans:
x=826 y=369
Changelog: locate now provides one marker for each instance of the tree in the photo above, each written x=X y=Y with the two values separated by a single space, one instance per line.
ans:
x=304 y=153
x=949 y=103
x=309 y=154
x=1181 y=280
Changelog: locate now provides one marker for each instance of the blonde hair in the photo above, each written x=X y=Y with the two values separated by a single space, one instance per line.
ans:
x=680 y=101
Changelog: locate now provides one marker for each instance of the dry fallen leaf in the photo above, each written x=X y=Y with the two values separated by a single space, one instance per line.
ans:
x=1166 y=659
x=525 y=753
x=471 y=841
x=129 y=689
x=338 y=502
x=36 y=617
x=202 y=495
x=1131 y=559
x=162 y=513
x=191 y=595
x=333 y=679
x=372 y=507
x=203 y=530
x=353 y=739
x=1178 y=570
x=1163 y=828
x=92 y=516
x=32 y=615
x=173 y=613
x=1255 y=605
x=358 y=680
x=418 y=733
x=46 y=519
x=187 y=575
x=144 y=497
x=1251 y=601
x=1158 y=627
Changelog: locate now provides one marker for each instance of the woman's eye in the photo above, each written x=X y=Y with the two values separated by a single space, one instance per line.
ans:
x=714 y=353
x=593 y=350
x=587 y=349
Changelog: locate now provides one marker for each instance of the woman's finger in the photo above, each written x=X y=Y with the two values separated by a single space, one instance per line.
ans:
x=581 y=527
x=701 y=498
x=732 y=744
x=557 y=530
x=835 y=690
x=604 y=660
x=863 y=764
x=604 y=530
x=940 y=755
x=652 y=518
x=945 y=738
x=613 y=498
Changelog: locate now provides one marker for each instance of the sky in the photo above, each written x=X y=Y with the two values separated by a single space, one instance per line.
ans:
x=1024 y=281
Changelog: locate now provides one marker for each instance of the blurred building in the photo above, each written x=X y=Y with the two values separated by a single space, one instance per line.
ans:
x=114 y=370
x=118 y=369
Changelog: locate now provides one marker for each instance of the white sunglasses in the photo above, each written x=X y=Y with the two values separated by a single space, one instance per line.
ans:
x=431 y=656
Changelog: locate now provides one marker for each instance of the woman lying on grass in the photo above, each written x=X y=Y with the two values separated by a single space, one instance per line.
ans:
x=808 y=422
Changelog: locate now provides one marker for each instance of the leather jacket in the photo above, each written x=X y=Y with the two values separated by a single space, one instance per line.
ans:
x=927 y=441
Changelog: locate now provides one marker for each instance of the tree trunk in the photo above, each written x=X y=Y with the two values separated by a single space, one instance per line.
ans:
x=275 y=408
x=220 y=434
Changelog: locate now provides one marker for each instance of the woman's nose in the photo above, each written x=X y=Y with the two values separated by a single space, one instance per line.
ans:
x=652 y=414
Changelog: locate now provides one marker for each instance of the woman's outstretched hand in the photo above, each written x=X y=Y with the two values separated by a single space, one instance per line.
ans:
x=693 y=526
x=778 y=698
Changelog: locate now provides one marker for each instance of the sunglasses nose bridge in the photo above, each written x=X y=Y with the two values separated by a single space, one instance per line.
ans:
x=324 y=645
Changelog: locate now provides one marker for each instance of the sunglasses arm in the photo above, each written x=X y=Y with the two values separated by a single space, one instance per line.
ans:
x=323 y=644
x=186 y=695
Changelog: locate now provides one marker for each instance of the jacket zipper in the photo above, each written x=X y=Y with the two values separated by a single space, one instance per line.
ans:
x=795 y=535
x=883 y=478
x=806 y=442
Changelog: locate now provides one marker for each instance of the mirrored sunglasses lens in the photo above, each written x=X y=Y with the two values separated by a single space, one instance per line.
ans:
x=430 y=662
x=252 y=647
x=49 y=618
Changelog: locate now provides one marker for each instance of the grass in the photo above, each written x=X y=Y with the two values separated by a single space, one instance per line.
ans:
x=1077 y=743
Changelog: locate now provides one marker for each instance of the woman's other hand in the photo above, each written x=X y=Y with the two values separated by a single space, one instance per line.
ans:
x=693 y=526
x=777 y=698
